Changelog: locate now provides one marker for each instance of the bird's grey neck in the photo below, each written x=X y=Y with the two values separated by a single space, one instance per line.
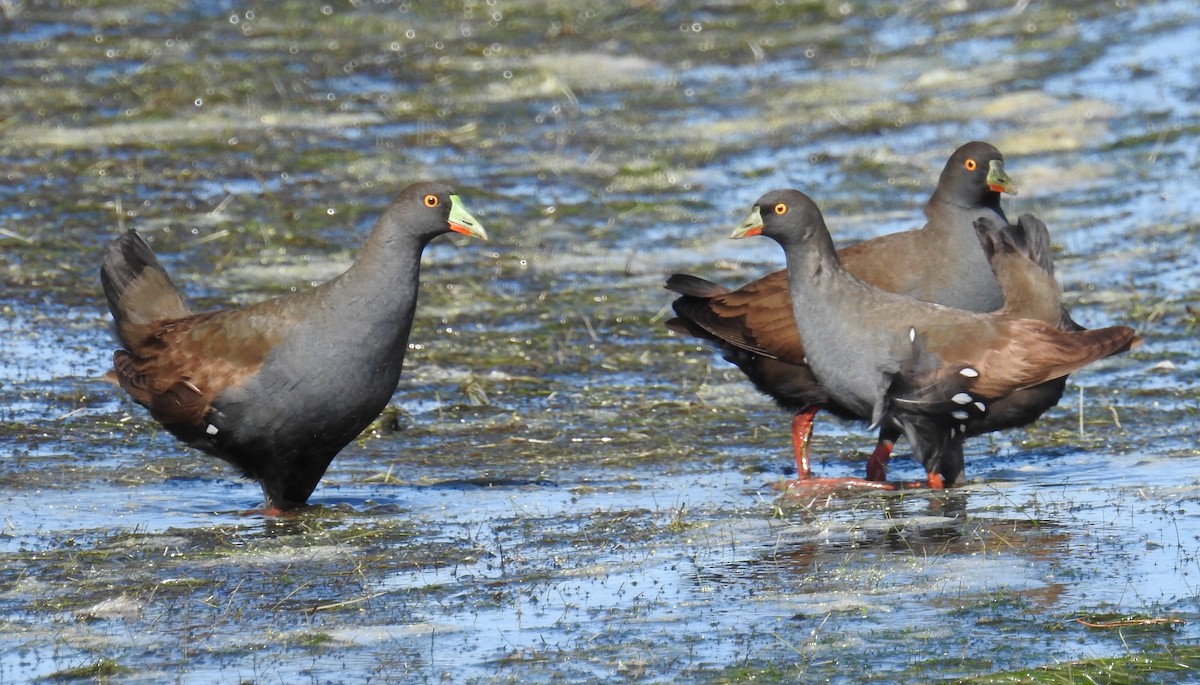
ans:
x=940 y=202
x=379 y=291
x=813 y=263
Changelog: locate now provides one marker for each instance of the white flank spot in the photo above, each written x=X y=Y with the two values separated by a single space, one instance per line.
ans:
x=960 y=415
x=961 y=398
x=952 y=431
x=211 y=430
x=981 y=406
x=968 y=372
x=963 y=427
x=912 y=335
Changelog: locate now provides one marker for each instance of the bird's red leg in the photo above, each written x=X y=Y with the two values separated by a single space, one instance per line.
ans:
x=801 y=434
x=804 y=482
x=877 y=465
x=933 y=481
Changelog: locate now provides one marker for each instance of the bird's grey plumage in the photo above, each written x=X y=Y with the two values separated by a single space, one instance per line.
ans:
x=278 y=388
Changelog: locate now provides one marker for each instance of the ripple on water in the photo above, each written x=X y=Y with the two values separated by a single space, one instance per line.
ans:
x=613 y=517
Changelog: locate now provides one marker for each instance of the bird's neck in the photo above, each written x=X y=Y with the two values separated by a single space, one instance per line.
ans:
x=814 y=263
x=377 y=296
x=942 y=203
x=388 y=266
x=949 y=229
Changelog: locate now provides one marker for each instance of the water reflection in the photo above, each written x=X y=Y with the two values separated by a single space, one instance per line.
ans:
x=608 y=146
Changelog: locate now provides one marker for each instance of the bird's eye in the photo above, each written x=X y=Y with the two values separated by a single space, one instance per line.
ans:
x=781 y=209
x=970 y=165
x=432 y=201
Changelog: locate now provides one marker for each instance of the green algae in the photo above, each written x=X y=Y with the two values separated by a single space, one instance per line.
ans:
x=101 y=670
x=562 y=490
x=1176 y=665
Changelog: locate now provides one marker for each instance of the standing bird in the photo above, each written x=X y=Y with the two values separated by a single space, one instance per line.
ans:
x=923 y=369
x=941 y=262
x=278 y=388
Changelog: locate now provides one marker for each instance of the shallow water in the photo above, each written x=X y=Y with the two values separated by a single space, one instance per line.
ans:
x=566 y=491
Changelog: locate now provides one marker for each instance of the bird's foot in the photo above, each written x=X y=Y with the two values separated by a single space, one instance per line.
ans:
x=933 y=481
x=816 y=486
x=278 y=509
x=819 y=486
x=266 y=512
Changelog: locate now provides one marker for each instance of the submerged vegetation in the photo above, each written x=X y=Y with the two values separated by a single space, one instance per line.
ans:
x=562 y=490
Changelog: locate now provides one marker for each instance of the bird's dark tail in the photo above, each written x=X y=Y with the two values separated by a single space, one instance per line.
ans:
x=694 y=286
x=138 y=289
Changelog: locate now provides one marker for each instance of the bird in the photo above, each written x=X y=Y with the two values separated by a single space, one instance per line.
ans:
x=920 y=368
x=940 y=262
x=278 y=388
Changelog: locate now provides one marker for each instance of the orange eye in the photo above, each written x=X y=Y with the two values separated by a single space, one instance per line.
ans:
x=970 y=165
x=781 y=209
x=432 y=201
